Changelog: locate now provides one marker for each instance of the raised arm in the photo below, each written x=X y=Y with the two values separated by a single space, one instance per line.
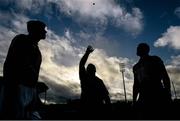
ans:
x=84 y=59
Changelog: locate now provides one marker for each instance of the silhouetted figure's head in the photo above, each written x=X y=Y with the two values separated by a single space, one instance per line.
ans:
x=91 y=69
x=36 y=29
x=143 y=49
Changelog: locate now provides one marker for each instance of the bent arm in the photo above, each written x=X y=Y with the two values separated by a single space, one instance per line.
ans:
x=83 y=61
x=135 y=93
x=135 y=88
x=166 y=80
x=107 y=99
x=82 y=64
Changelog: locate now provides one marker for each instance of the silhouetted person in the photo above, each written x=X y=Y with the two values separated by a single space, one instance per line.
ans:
x=151 y=83
x=93 y=91
x=21 y=71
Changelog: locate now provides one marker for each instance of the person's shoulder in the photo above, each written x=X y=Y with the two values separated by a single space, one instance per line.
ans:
x=20 y=41
x=156 y=58
x=20 y=36
x=136 y=66
x=99 y=80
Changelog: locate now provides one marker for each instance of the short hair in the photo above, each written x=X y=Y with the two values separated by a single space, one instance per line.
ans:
x=143 y=48
x=34 y=25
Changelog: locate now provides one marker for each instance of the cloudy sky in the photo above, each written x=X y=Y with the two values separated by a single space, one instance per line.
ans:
x=113 y=27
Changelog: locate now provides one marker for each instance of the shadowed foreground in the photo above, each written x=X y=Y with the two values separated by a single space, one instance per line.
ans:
x=119 y=110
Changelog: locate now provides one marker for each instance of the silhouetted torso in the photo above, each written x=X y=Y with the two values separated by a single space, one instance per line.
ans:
x=23 y=62
x=93 y=89
x=149 y=73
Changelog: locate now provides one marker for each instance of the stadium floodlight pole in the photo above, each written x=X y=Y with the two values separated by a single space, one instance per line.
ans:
x=122 y=69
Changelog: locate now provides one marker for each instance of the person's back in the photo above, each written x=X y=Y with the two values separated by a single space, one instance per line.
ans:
x=96 y=91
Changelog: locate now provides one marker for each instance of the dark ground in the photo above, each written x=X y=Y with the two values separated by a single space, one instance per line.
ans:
x=119 y=110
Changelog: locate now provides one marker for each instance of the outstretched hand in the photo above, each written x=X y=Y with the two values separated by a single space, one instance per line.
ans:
x=90 y=49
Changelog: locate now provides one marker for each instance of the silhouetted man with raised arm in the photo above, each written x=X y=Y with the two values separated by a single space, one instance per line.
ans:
x=21 y=71
x=151 y=83
x=93 y=91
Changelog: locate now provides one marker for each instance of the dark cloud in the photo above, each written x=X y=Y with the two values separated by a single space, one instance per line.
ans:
x=177 y=12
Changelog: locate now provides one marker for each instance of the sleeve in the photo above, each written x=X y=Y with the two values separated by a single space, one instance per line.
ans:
x=165 y=76
x=82 y=70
